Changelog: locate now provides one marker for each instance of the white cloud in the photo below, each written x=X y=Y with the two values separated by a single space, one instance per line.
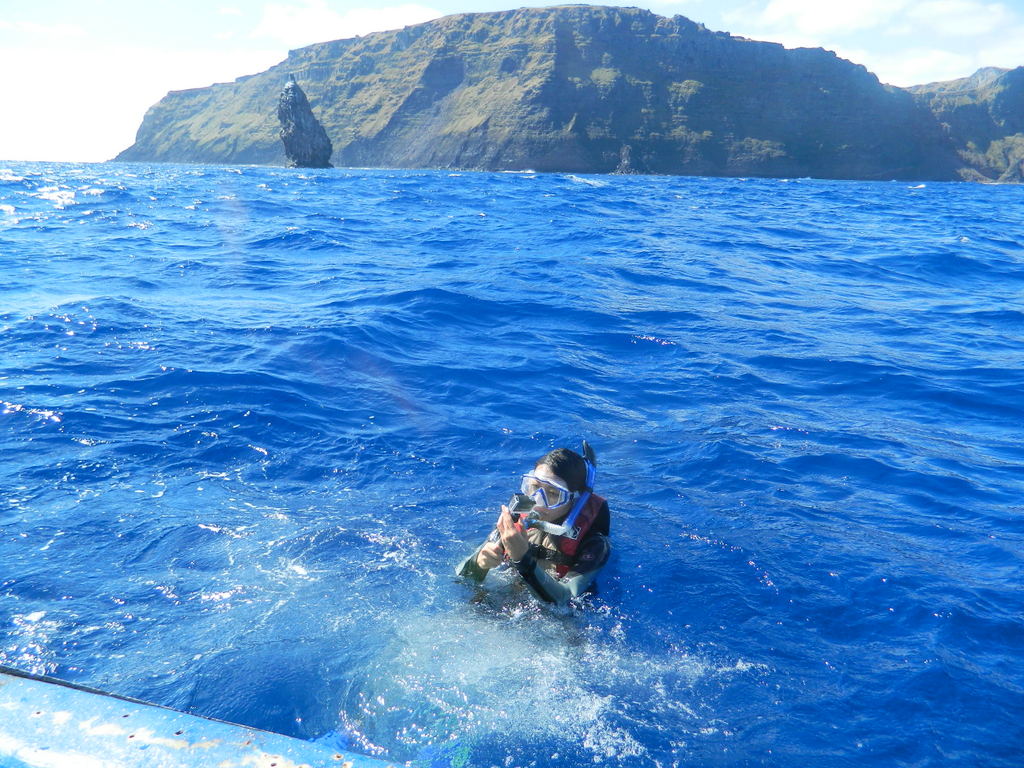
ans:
x=1005 y=52
x=24 y=31
x=93 y=103
x=685 y=7
x=903 y=42
x=314 y=21
x=915 y=66
x=959 y=18
x=816 y=18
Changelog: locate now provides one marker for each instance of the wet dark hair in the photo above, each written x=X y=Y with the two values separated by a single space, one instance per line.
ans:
x=568 y=465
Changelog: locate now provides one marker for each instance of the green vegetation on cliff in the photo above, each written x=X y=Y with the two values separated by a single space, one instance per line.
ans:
x=572 y=88
x=983 y=115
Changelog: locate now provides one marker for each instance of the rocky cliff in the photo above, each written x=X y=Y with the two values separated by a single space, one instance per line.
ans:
x=305 y=141
x=574 y=88
x=983 y=115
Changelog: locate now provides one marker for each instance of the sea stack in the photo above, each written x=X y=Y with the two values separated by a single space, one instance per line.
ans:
x=305 y=141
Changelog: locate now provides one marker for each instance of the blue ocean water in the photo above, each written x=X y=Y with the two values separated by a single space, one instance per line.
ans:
x=250 y=418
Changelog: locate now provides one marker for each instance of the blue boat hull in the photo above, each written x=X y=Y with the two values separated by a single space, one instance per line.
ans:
x=46 y=722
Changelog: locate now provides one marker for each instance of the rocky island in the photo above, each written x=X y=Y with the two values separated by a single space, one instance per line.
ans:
x=601 y=89
x=305 y=141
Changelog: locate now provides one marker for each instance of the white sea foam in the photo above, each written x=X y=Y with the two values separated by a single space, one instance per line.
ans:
x=61 y=197
x=588 y=182
x=536 y=676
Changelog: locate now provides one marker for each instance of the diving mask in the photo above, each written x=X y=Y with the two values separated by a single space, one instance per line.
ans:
x=546 y=493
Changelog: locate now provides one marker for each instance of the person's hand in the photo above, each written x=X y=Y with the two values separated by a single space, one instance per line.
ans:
x=490 y=556
x=513 y=539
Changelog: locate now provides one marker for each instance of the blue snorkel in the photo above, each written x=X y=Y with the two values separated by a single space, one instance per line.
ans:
x=571 y=531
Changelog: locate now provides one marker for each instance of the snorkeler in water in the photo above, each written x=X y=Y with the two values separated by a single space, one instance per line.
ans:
x=559 y=541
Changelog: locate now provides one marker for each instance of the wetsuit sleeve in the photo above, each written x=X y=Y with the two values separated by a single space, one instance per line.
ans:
x=469 y=569
x=592 y=556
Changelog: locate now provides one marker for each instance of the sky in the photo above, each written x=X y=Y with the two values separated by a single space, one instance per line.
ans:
x=80 y=75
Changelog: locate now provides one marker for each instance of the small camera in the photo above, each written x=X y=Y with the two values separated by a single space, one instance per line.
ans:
x=519 y=502
x=517 y=505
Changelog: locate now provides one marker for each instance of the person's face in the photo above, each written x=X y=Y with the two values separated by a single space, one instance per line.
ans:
x=544 y=475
